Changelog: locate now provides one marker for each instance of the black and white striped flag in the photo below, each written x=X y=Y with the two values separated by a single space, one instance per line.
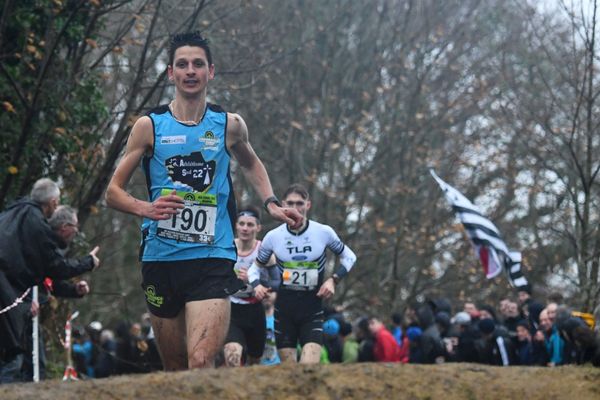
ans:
x=485 y=237
x=513 y=268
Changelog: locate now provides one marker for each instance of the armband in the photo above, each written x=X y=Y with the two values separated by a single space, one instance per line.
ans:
x=255 y=283
x=253 y=273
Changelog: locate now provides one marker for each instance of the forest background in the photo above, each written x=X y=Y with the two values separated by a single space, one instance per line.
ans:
x=355 y=99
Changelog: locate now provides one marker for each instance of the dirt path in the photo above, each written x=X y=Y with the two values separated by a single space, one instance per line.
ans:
x=352 y=381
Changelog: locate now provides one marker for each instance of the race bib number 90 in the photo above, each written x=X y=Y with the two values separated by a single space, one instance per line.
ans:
x=195 y=223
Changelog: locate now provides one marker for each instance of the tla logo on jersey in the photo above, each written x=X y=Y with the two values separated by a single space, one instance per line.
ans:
x=191 y=170
x=297 y=249
x=209 y=141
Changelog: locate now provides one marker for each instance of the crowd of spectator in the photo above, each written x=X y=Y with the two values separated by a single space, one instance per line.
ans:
x=130 y=348
x=520 y=331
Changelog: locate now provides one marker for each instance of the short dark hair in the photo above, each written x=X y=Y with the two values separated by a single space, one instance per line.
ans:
x=525 y=288
x=298 y=189
x=249 y=211
x=194 y=39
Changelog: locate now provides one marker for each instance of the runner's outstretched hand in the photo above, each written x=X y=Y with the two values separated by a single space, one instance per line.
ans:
x=94 y=257
x=290 y=216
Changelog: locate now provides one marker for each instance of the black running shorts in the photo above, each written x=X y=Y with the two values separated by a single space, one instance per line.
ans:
x=298 y=319
x=248 y=327
x=168 y=285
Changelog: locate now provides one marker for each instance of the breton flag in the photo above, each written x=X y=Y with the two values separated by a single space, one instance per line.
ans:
x=513 y=266
x=485 y=237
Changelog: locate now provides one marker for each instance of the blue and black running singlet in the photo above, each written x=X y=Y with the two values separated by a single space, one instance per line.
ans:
x=194 y=161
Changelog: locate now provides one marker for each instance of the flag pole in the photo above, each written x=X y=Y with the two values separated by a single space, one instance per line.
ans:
x=70 y=373
x=35 y=352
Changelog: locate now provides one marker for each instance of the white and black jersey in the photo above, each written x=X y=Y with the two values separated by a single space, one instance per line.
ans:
x=300 y=256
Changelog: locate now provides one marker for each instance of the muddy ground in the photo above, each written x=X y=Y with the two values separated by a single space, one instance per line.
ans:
x=351 y=381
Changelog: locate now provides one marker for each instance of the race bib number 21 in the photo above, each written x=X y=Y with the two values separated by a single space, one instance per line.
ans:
x=300 y=277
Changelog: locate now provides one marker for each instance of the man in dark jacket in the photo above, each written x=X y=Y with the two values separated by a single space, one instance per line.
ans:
x=65 y=225
x=494 y=348
x=466 y=349
x=431 y=343
x=29 y=253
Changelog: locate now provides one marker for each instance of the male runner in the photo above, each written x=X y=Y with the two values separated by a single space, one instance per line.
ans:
x=300 y=255
x=247 y=329
x=187 y=250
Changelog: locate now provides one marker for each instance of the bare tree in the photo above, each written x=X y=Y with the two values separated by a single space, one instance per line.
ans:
x=555 y=100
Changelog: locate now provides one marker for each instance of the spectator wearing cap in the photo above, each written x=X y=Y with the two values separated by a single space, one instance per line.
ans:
x=332 y=343
x=386 y=349
x=415 y=354
x=493 y=348
x=466 y=350
x=397 y=327
x=488 y=312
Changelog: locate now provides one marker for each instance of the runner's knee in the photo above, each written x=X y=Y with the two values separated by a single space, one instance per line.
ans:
x=233 y=354
x=200 y=359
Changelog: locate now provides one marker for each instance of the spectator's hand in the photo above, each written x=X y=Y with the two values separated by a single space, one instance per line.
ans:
x=290 y=216
x=260 y=292
x=327 y=289
x=82 y=288
x=94 y=257
x=539 y=336
x=164 y=207
x=243 y=274
x=449 y=345
x=35 y=308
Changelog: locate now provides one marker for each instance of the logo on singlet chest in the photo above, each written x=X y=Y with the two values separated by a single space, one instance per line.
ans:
x=299 y=250
x=191 y=170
